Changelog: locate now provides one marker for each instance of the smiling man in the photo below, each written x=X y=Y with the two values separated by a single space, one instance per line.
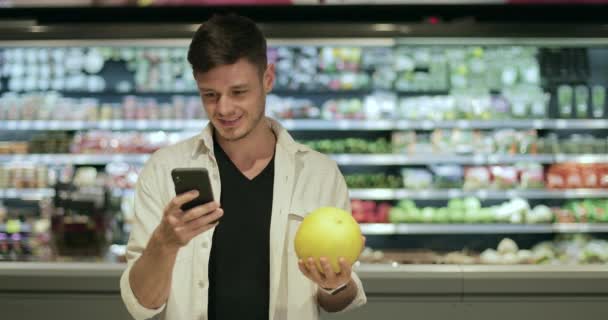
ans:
x=190 y=265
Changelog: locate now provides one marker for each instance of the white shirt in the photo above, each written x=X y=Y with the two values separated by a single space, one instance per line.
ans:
x=304 y=180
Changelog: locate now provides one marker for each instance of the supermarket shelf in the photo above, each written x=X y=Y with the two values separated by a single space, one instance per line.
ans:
x=316 y=124
x=400 y=159
x=398 y=194
x=478 y=159
x=104 y=125
x=27 y=194
x=588 y=158
x=92 y=159
x=392 y=229
x=341 y=159
x=512 y=159
x=311 y=124
x=25 y=228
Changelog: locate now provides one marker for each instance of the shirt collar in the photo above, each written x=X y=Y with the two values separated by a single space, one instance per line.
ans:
x=205 y=138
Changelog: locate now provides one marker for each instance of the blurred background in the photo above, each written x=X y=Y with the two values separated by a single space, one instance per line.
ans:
x=473 y=136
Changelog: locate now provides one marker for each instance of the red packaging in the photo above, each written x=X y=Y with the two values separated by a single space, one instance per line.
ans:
x=556 y=178
x=574 y=178
x=590 y=176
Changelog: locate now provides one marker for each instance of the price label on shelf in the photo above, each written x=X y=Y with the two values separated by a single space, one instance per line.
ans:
x=104 y=124
x=463 y=124
x=480 y=159
x=454 y=193
x=511 y=194
x=427 y=125
x=482 y=194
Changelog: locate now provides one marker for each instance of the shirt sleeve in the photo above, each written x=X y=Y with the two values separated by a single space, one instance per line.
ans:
x=147 y=214
x=343 y=202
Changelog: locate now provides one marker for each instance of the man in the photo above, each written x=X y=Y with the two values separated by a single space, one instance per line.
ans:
x=185 y=265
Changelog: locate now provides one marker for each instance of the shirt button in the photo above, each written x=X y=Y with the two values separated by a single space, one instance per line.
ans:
x=205 y=244
x=202 y=283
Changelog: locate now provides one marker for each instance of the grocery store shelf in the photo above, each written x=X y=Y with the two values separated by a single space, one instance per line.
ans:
x=25 y=228
x=512 y=159
x=316 y=124
x=391 y=229
x=346 y=124
x=92 y=159
x=477 y=159
x=104 y=125
x=27 y=194
x=341 y=159
x=400 y=159
x=311 y=124
x=441 y=194
x=583 y=158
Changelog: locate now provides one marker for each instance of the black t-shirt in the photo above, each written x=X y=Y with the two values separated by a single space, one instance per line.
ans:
x=240 y=254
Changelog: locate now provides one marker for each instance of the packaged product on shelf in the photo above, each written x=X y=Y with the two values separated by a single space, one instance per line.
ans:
x=380 y=106
x=291 y=108
x=14 y=147
x=573 y=176
x=343 y=109
x=581 y=98
x=339 y=59
x=503 y=177
x=598 y=101
x=383 y=78
x=122 y=175
x=448 y=176
x=4 y=177
x=540 y=214
x=403 y=141
x=565 y=100
x=531 y=175
x=556 y=178
x=417 y=179
x=476 y=178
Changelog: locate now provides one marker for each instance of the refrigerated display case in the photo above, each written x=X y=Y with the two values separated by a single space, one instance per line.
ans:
x=468 y=155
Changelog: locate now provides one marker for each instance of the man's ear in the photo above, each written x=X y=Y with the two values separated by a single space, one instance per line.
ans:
x=269 y=76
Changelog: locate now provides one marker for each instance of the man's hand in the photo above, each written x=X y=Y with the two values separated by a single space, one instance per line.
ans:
x=177 y=227
x=328 y=279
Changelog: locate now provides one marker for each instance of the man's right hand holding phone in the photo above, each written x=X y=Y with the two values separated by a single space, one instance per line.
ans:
x=178 y=227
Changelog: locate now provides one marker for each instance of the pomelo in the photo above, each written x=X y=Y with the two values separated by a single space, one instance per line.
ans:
x=329 y=232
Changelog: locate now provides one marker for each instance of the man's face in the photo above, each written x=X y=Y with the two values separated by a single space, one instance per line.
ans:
x=234 y=97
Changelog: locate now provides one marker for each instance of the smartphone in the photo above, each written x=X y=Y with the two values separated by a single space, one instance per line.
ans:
x=188 y=179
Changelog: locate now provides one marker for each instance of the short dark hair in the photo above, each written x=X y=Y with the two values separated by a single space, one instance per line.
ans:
x=224 y=39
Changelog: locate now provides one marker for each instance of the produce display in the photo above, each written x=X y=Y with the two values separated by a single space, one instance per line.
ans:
x=564 y=250
x=350 y=145
x=106 y=142
x=21 y=176
x=54 y=106
x=148 y=69
x=378 y=180
x=470 y=210
x=370 y=211
x=133 y=89
x=503 y=141
x=577 y=175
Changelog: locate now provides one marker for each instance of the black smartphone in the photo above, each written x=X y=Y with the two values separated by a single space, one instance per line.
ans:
x=188 y=179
